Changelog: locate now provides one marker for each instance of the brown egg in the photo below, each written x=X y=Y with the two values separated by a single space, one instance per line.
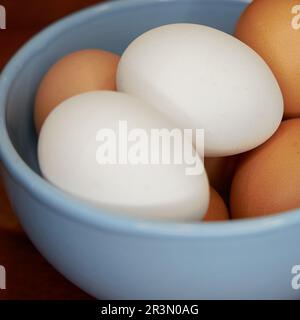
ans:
x=78 y=72
x=220 y=172
x=272 y=29
x=217 y=210
x=267 y=180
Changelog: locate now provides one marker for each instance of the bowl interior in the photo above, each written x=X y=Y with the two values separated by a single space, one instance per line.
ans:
x=111 y=26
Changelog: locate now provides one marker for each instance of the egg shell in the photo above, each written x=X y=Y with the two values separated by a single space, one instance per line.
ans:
x=272 y=28
x=78 y=72
x=217 y=210
x=67 y=150
x=267 y=181
x=202 y=78
x=220 y=172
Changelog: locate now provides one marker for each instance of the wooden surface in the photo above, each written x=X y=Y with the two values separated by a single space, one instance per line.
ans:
x=28 y=275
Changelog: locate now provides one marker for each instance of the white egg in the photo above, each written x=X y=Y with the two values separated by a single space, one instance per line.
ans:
x=72 y=156
x=203 y=78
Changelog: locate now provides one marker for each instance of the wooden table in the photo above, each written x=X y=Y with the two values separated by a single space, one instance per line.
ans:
x=28 y=275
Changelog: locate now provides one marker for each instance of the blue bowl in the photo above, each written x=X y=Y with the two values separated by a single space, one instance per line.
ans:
x=118 y=257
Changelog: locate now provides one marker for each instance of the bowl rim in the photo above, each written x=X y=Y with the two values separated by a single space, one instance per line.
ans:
x=71 y=208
